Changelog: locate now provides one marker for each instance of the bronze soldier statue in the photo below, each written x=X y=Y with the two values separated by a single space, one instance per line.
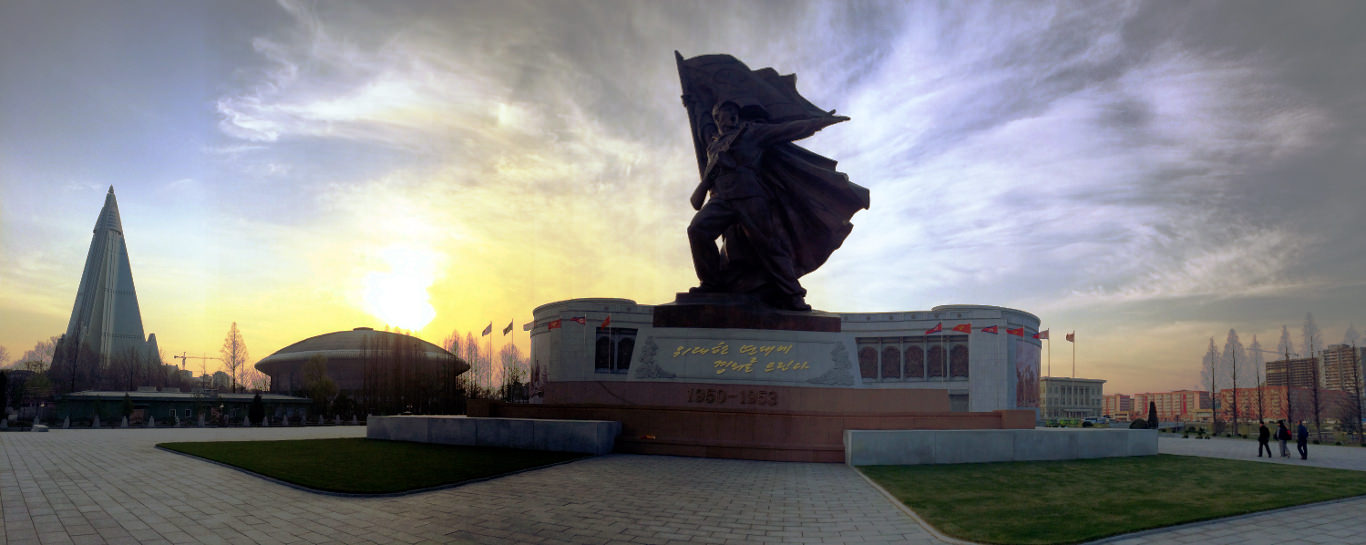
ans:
x=780 y=210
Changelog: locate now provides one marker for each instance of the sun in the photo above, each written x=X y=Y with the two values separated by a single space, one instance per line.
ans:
x=398 y=296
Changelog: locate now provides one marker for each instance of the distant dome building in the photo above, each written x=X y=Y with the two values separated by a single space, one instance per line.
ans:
x=371 y=367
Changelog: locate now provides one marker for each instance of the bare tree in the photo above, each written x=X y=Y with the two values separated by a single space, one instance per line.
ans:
x=4 y=356
x=1312 y=339
x=514 y=373
x=1233 y=348
x=253 y=379
x=1210 y=374
x=234 y=353
x=42 y=351
x=1286 y=347
x=1258 y=364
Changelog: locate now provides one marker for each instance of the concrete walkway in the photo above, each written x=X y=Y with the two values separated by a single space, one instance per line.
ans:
x=1337 y=522
x=112 y=486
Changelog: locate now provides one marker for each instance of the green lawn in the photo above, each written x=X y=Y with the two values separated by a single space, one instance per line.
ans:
x=1080 y=500
x=368 y=466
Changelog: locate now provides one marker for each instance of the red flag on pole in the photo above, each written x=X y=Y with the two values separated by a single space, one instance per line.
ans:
x=606 y=321
x=1018 y=332
x=1041 y=335
x=936 y=329
x=1072 y=337
x=507 y=329
x=580 y=319
x=488 y=329
x=991 y=329
x=963 y=328
x=554 y=324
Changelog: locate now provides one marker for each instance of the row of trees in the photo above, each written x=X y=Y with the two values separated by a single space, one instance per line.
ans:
x=1237 y=367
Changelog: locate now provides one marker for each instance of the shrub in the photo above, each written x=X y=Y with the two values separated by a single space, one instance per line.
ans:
x=1138 y=424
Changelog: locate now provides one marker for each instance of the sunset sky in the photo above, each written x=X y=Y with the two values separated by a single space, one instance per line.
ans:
x=1147 y=174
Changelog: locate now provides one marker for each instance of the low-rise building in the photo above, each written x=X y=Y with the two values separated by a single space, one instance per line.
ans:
x=1175 y=406
x=1118 y=406
x=1062 y=397
x=168 y=405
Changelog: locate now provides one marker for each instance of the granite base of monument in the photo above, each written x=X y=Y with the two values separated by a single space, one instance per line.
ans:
x=738 y=311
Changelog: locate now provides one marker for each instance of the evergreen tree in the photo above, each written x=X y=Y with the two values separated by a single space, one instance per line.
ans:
x=1152 y=414
x=257 y=411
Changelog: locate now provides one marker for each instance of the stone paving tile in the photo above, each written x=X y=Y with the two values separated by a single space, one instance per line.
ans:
x=113 y=486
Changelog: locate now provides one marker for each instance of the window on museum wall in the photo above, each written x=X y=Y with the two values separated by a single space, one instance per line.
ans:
x=915 y=362
x=934 y=366
x=958 y=361
x=891 y=362
x=612 y=351
x=867 y=362
x=624 y=348
x=602 y=354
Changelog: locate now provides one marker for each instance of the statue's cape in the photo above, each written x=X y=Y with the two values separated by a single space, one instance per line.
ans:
x=814 y=202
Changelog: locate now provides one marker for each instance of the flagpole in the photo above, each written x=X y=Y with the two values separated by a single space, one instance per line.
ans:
x=944 y=359
x=1074 y=354
x=1050 y=355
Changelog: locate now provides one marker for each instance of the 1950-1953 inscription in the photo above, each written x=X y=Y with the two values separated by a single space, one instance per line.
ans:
x=724 y=396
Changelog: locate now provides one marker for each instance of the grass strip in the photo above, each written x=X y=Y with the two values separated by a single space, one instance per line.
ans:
x=369 y=466
x=1081 y=500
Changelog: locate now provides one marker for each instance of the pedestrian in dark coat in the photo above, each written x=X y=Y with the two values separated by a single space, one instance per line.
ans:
x=1283 y=435
x=1263 y=438
x=1302 y=441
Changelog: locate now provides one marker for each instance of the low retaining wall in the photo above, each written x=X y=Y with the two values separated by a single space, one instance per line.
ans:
x=914 y=447
x=588 y=436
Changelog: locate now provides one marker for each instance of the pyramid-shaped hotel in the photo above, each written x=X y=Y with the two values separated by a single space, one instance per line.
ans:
x=106 y=323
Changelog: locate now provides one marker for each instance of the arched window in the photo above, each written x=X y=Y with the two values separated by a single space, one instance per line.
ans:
x=915 y=362
x=602 y=355
x=624 y=348
x=891 y=362
x=867 y=362
x=934 y=367
x=958 y=361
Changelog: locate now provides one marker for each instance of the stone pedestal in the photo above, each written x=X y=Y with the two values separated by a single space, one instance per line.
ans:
x=738 y=311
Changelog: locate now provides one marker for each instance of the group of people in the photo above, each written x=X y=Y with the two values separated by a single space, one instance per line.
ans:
x=1283 y=435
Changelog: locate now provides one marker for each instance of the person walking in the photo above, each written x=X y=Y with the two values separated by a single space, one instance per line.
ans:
x=1302 y=441
x=1283 y=435
x=1263 y=438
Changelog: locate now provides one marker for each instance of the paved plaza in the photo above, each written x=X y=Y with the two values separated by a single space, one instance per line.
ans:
x=113 y=486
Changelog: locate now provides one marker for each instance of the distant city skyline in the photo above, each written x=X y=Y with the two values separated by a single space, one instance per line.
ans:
x=1149 y=175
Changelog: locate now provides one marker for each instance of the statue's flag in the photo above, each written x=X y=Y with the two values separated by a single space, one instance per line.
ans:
x=529 y=325
x=1072 y=337
x=991 y=329
x=488 y=329
x=554 y=324
x=581 y=320
x=1018 y=332
x=939 y=327
x=963 y=328
x=507 y=329
x=1041 y=335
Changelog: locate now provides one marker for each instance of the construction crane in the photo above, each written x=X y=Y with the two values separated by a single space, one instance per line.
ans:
x=184 y=357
